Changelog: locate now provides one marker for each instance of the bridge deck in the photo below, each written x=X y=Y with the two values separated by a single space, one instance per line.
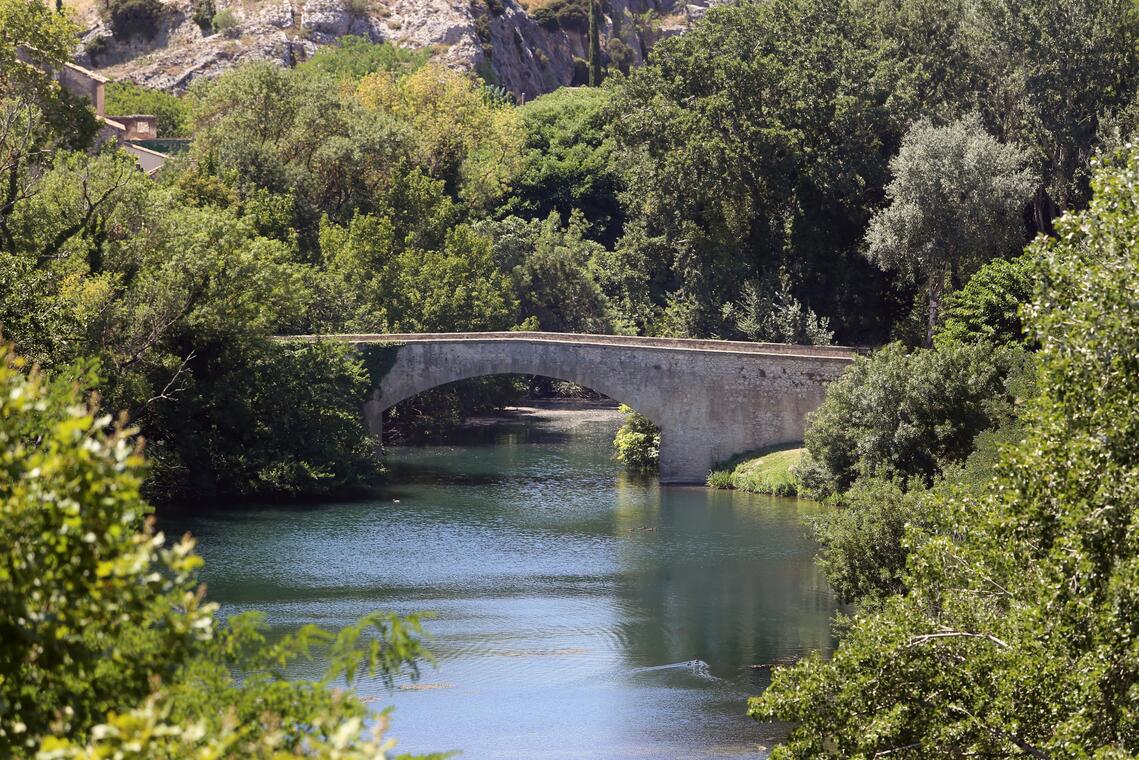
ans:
x=840 y=353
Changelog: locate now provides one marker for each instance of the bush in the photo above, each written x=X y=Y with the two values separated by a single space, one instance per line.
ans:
x=131 y=18
x=861 y=549
x=225 y=21
x=567 y=15
x=907 y=415
x=637 y=442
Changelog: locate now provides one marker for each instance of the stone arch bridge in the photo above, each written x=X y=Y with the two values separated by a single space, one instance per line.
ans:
x=711 y=399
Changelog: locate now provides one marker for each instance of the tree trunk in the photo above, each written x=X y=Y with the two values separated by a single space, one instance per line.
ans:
x=934 y=289
x=1044 y=210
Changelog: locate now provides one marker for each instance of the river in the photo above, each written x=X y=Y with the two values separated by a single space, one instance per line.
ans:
x=568 y=596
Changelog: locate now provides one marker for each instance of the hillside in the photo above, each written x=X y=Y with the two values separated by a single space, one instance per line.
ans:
x=528 y=48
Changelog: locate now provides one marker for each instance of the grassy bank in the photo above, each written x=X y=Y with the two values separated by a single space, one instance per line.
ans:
x=767 y=471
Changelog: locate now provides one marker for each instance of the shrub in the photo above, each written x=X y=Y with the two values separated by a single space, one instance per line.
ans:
x=861 y=548
x=355 y=57
x=637 y=442
x=565 y=15
x=907 y=415
x=225 y=21
x=621 y=56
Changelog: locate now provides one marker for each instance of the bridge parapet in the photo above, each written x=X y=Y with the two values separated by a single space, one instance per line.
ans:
x=844 y=353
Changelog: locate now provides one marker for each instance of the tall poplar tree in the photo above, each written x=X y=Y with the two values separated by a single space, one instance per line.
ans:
x=594 y=43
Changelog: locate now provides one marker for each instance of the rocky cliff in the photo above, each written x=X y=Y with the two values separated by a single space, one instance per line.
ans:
x=527 y=46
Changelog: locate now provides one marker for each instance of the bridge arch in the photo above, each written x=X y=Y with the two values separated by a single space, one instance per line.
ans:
x=711 y=399
x=399 y=385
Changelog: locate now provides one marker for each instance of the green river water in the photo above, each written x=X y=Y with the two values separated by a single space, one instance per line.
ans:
x=568 y=596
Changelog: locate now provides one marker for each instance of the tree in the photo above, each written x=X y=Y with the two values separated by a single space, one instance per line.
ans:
x=470 y=141
x=770 y=313
x=906 y=415
x=567 y=163
x=1014 y=635
x=109 y=645
x=553 y=269
x=988 y=307
x=757 y=142
x=594 y=43
x=954 y=203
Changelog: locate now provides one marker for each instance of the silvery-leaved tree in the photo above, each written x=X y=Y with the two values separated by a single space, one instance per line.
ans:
x=956 y=201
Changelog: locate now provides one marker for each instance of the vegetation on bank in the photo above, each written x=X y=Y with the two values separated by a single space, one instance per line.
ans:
x=770 y=472
x=110 y=648
x=994 y=613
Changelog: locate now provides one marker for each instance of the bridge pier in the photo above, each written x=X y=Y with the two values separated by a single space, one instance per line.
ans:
x=686 y=456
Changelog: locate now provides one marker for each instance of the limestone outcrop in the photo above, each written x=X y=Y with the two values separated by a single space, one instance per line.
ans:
x=526 y=51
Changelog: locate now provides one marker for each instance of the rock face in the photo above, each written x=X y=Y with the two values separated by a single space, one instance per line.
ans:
x=527 y=53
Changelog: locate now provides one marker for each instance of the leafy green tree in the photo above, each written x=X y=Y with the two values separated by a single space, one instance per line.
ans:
x=988 y=307
x=955 y=202
x=221 y=437
x=567 y=163
x=553 y=271
x=470 y=141
x=1014 y=635
x=109 y=646
x=756 y=142
x=770 y=313
x=456 y=288
x=1056 y=70
x=906 y=415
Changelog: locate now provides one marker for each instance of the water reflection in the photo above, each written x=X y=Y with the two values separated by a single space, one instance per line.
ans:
x=569 y=596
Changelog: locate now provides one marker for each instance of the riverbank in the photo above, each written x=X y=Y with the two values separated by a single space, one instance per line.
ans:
x=767 y=472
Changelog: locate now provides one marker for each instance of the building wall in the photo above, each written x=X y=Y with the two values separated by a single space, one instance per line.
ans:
x=83 y=83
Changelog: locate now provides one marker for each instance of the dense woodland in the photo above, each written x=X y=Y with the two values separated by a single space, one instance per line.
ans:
x=948 y=181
